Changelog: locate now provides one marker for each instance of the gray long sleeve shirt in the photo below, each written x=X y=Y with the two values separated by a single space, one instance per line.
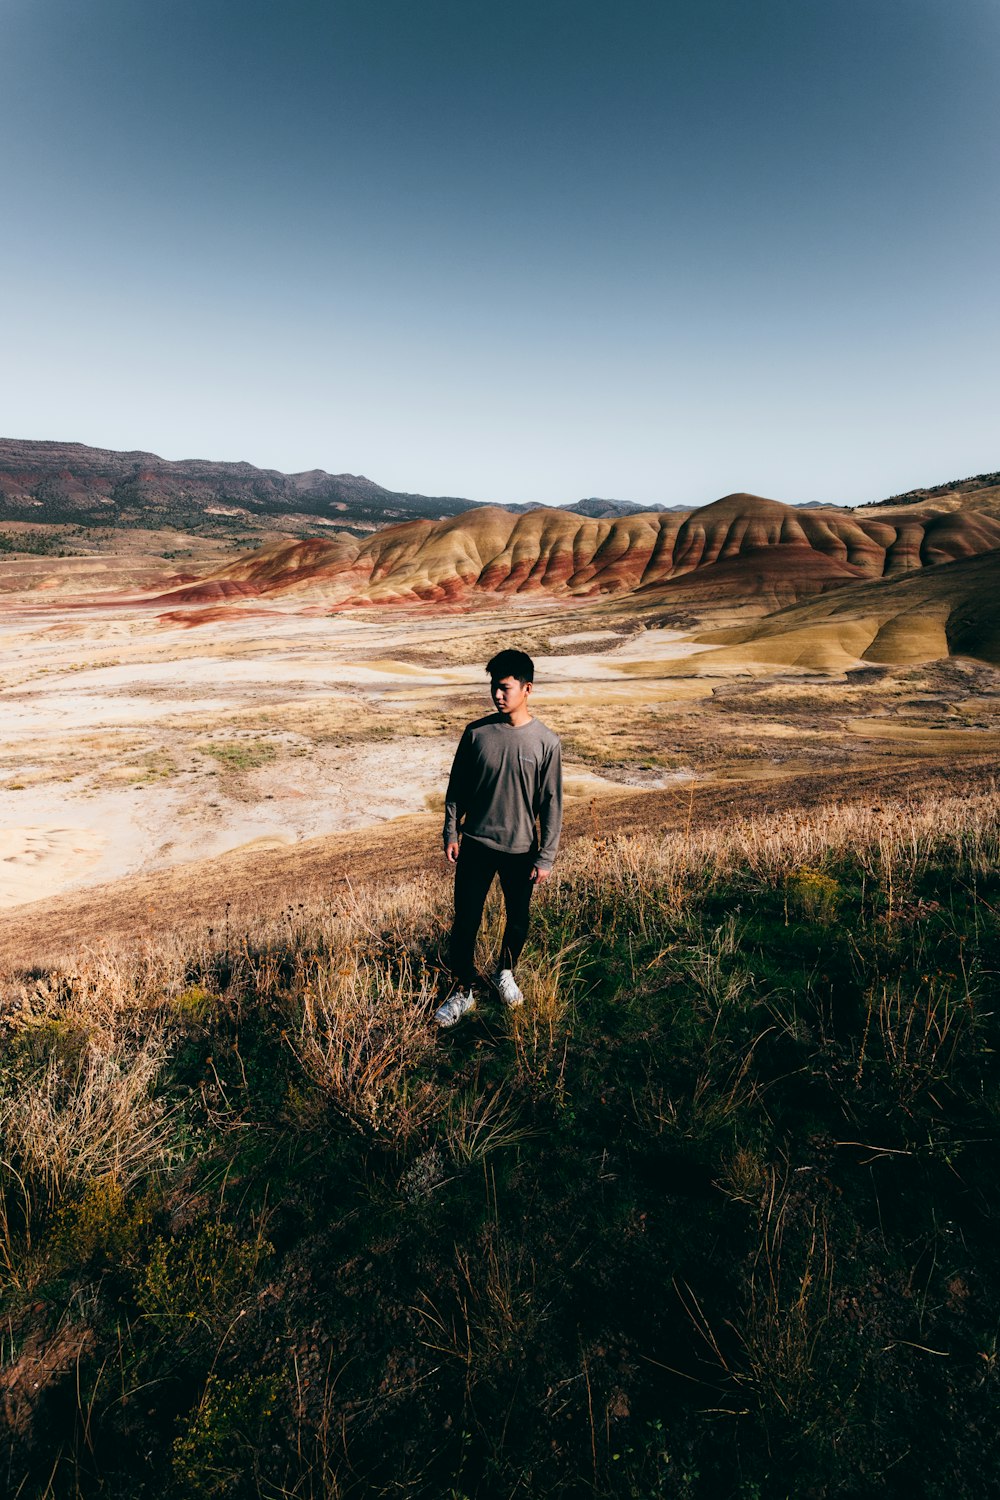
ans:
x=501 y=779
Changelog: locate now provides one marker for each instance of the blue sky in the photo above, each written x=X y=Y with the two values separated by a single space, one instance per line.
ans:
x=518 y=251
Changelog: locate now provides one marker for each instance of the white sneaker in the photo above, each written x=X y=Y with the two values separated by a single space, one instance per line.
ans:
x=507 y=988
x=455 y=1007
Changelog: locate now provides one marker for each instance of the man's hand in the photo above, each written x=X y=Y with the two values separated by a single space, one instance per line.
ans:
x=539 y=876
x=451 y=852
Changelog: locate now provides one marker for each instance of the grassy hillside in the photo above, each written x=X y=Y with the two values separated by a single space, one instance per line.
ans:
x=713 y=1216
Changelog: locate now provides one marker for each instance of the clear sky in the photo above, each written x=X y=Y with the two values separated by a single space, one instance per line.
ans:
x=517 y=250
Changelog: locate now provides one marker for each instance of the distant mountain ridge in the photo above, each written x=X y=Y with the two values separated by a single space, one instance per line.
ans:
x=603 y=510
x=73 y=483
x=951 y=487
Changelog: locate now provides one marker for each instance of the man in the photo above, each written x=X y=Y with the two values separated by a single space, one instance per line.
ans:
x=507 y=772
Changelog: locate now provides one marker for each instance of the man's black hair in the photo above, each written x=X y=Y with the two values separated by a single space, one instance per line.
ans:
x=511 y=663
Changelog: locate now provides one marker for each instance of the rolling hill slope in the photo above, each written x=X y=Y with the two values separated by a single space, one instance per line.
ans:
x=981 y=492
x=740 y=548
x=950 y=610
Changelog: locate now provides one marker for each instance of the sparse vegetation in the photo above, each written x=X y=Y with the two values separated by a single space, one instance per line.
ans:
x=157 y=766
x=35 y=543
x=712 y=1216
x=241 y=755
x=351 y=719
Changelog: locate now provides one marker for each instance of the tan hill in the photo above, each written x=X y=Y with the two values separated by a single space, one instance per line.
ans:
x=951 y=610
x=979 y=493
x=742 y=547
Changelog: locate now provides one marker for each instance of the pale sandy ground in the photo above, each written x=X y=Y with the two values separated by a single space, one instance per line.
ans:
x=106 y=714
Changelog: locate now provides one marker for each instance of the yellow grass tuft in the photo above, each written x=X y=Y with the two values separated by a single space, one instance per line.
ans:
x=362 y=1034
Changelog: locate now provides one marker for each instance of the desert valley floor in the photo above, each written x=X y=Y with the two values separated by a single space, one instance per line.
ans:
x=131 y=744
x=139 y=742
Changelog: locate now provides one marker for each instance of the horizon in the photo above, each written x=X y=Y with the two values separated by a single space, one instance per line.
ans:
x=655 y=254
x=500 y=504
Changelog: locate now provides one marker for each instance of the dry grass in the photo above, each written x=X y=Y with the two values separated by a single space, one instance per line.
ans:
x=891 y=839
x=363 y=1032
x=477 y=1125
x=364 y=1024
x=88 y=1114
x=788 y=1313
x=97 y=1117
x=495 y=1312
x=490 y=1184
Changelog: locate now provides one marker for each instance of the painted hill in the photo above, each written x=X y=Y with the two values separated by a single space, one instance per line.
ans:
x=950 y=610
x=741 y=547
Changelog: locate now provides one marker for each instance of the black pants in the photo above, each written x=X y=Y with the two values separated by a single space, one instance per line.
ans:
x=477 y=865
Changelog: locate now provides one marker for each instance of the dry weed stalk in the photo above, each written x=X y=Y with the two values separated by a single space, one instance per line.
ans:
x=786 y=1322
x=788 y=1317
x=16 y=1215
x=496 y=1310
x=540 y=1034
x=363 y=1032
x=919 y=1039
x=97 y=1118
x=475 y=1126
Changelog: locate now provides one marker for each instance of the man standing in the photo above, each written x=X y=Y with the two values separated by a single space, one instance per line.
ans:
x=506 y=774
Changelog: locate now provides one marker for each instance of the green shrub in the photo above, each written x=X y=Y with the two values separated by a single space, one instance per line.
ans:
x=813 y=895
x=215 y=1455
x=102 y=1224
x=241 y=755
x=193 y=1288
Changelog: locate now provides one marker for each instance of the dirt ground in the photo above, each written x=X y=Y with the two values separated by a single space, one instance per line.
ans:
x=238 y=887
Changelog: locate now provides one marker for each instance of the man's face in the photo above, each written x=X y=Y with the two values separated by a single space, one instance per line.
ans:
x=509 y=694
